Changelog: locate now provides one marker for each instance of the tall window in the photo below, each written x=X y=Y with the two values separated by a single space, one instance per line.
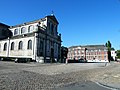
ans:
x=5 y=47
x=20 y=47
x=12 y=46
x=56 y=30
x=52 y=29
x=41 y=48
x=23 y=30
x=15 y=31
x=31 y=28
x=48 y=25
x=29 y=44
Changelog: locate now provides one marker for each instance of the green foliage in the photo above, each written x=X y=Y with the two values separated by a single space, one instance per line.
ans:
x=112 y=48
x=118 y=54
x=64 y=52
x=108 y=45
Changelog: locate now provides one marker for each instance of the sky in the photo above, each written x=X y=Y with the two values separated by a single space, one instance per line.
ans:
x=81 y=22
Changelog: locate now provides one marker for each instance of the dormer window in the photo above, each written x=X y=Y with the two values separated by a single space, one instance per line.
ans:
x=15 y=31
x=23 y=30
x=30 y=28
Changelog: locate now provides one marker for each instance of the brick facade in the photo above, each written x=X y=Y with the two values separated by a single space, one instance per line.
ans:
x=88 y=52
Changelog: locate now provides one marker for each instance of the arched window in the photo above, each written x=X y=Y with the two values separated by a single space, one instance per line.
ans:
x=52 y=29
x=20 y=47
x=23 y=30
x=30 y=28
x=48 y=25
x=29 y=44
x=12 y=46
x=5 y=47
x=15 y=31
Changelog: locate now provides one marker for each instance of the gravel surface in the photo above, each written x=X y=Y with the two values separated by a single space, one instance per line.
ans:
x=35 y=76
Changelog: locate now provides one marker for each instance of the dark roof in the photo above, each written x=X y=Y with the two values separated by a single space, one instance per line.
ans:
x=1 y=24
x=31 y=22
x=36 y=21
x=89 y=46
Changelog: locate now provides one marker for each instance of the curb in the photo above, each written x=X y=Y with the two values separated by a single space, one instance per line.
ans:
x=109 y=86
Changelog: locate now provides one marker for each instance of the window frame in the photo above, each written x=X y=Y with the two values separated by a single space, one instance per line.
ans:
x=23 y=30
x=20 y=46
x=29 y=46
x=29 y=28
x=5 y=47
x=15 y=31
x=12 y=46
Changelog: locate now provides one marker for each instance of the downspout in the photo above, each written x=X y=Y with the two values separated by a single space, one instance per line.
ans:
x=35 y=46
x=8 y=47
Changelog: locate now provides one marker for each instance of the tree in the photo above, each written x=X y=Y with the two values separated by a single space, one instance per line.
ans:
x=112 y=48
x=118 y=54
x=109 y=45
x=64 y=52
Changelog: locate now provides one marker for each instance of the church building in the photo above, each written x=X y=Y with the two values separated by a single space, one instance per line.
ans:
x=37 y=40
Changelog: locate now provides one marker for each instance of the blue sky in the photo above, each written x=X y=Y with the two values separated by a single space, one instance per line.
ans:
x=81 y=22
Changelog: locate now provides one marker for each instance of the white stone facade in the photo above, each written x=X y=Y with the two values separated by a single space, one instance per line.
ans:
x=37 y=40
x=113 y=54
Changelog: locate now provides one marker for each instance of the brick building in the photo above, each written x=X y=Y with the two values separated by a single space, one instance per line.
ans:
x=91 y=53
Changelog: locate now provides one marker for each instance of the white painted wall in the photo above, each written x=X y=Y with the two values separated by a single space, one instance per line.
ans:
x=113 y=54
x=24 y=52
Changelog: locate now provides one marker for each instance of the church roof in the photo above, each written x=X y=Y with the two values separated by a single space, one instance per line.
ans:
x=37 y=21
x=1 y=24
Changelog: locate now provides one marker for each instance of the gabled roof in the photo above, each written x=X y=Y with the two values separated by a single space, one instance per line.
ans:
x=53 y=18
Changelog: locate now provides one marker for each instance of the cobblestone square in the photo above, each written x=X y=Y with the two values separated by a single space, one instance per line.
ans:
x=35 y=76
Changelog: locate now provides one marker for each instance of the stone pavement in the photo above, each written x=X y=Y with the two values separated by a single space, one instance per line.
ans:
x=110 y=77
x=35 y=76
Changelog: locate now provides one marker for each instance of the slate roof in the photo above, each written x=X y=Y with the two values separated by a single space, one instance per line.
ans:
x=90 y=47
x=1 y=24
x=36 y=21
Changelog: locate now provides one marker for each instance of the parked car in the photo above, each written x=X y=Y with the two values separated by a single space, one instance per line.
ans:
x=20 y=60
x=82 y=61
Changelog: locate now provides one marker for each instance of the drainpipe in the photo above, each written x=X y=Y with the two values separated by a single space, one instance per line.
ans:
x=8 y=47
x=35 y=46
